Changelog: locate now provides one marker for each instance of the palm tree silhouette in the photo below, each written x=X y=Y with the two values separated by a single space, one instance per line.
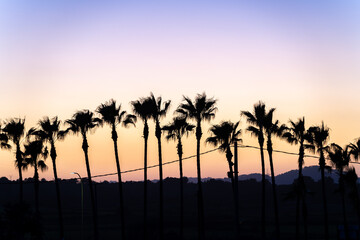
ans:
x=298 y=135
x=49 y=132
x=158 y=111
x=112 y=115
x=175 y=131
x=15 y=129
x=256 y=128
x=83 y=122
x=223 y=136
x=340 y=159
x=201 y=109
x=271 y=128
x=142 y=109
x=34 y=150
x=319 y=136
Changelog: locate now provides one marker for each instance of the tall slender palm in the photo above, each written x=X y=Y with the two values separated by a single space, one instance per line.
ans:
x=319 y=137
x=35 y=155
x=15 y=130
x=112 y=115
x=256 y=119
x=142 y=109
x=49 y=132
x=158 y=111
x=271 y=128
x=201 y=109
x=175 y=131
x=340 y=159
x=298 y=135
x=83 y=122
x=223 y=136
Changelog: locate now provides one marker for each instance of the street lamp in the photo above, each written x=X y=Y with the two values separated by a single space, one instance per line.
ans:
x=82 y=204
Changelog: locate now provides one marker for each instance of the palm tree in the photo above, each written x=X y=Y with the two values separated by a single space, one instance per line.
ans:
x=319 y=136
x=34 y=150
x=15 y=129
x=142 y=109
x=112 y=115
x=224 y=135
x=256 y=119
x=201 y=109
x=271 y=128
x=83 y=122
x=298 y=135
x=158 y=111
x=175 y=131
x=340 y=159
x=49 y=132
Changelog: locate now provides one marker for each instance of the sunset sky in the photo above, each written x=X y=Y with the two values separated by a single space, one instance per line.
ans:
x=56 y=57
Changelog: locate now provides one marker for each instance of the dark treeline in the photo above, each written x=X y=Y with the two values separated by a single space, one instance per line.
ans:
x=32 y=148
x=218 y=209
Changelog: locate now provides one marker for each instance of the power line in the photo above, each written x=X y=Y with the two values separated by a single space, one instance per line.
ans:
x=203 y=153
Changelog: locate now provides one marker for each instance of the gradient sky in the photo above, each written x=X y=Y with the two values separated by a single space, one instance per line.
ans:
x=56 y=57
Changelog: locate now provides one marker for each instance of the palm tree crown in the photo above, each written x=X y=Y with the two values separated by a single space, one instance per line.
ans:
x=111 y=114
x=177 y=128
x=82 y=122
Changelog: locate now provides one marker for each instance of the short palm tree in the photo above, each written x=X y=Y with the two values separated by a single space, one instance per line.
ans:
x=175 y=130
x=158 y=111
x=142 y=109
x=256 y=119
x=15 y=130
x=271 y=128
x=297 y=134
x=49 y=132
x=82 y=123
x=112 y=115
x=319 y=137
x=201 y=109
x=35 y=154
x=223 y=136
x=340 y=159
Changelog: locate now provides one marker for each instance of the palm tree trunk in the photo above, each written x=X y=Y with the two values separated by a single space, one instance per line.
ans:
x=61 y=222
x=263 y=223
x=276 y=210
x=158 y=136
x=322 y=170
x=342 y=191
x=36 y=188
x=146 y=135
x=236 y=187
x=180 y=152
x=19 y=161
x=229 y=156
x=300 y=190
x=304 y=210
x=121 y=196
x=200 y=201
x=85 y=147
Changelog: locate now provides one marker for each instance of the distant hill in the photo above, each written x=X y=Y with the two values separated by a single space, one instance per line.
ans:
x=282 y=179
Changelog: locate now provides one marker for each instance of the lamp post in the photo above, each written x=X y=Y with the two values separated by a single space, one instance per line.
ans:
x=82 y=204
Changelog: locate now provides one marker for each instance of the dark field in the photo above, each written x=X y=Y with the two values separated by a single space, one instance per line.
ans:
x=219 y=213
